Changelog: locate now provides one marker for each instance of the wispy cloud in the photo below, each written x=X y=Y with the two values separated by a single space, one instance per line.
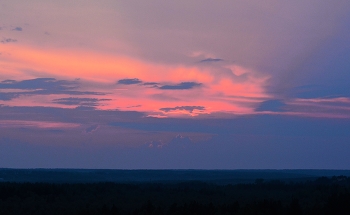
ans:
x=180 y=86
x=43 y=86
x=8 y=40
x=92 y=128
x=17 y=29
x=308 y=107
x=36 y=124
x=88 y=102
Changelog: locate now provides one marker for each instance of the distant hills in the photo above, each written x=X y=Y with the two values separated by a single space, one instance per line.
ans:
x=164 y=176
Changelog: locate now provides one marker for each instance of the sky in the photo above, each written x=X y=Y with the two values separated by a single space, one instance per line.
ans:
x=229 y=84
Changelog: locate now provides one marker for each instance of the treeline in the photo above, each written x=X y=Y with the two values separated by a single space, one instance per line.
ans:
x=321 y=196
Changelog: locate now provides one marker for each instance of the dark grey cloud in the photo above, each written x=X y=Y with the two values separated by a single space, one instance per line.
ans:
x=90 y=102
x=271 y=105
x=86 y=115
x=39 y=83
x=43 y=86
x=150 y=83
x=181 y=86
x=186 y=108
x=320 y=91
x=129 y=81
x=85 y=108
x=8 y=40
x=209 y=60
x=245 y=125
x=7 y=96
x=17 y=29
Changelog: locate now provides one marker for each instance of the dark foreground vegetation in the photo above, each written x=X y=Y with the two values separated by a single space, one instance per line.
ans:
x=325 y=195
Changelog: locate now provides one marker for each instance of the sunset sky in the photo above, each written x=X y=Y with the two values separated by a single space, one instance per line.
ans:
x=229 y=84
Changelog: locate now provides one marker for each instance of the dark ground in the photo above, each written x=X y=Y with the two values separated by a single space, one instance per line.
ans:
x=43 y=191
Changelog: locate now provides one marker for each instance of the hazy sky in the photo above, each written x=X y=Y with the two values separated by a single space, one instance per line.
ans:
x=227 y=84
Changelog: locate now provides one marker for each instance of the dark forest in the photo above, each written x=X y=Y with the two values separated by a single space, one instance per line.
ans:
x=324 y=195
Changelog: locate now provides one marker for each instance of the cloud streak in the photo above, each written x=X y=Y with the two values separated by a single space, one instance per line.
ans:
x=8 y=40
x=86 y=102
x=130 y=81
x=42 y=86
x=181 y=86
x=36 y=124
x=210 y=60
x=184 y=108
x=91 y=129
x=50 y=84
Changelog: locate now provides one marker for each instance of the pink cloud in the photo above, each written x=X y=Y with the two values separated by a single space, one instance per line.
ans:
x=100 y=72
x=36 y=124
